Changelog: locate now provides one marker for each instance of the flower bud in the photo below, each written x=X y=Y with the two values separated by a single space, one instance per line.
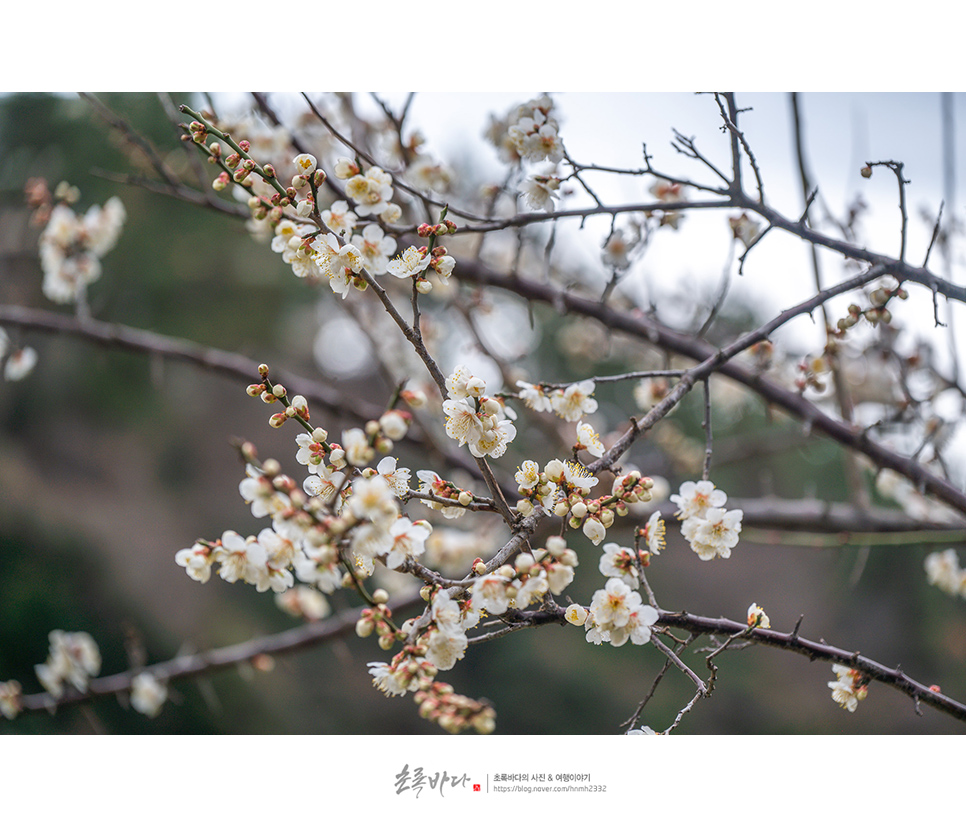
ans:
x=866 y=171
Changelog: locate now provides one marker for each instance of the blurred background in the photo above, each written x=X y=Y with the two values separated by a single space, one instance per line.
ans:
x=111 y=462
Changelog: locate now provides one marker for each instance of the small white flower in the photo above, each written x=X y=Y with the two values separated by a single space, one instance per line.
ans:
x=715 y=534
x=576 y=614
x=338 y=218
x=694 y=499
x=589 y=439
x=19 y=364
x=528 y=475
x=757 y=616
x=10 y=704
x=654 y=533
x=196 y=561
x=305 y=163
x=148 y=694
x=943 y=571
x=620 y=562
x=574 y=401
x=594 y=530
x=539 y=192
x=534 y=396
x=411 y=262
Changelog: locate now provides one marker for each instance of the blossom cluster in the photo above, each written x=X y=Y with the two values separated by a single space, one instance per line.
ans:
x=527 y=132
x=72 y=245
x=74 y=658
x=563 y=489
x=526 y=581
x=710 y=529
x=849 y=688
x=569 y=403
x=616 y=614
x=481 y=423
x=943 y=571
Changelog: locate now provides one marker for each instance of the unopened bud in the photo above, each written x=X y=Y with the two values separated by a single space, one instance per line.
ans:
x=866 y=171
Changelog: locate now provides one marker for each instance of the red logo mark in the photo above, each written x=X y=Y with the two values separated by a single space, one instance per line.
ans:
x=476 y=787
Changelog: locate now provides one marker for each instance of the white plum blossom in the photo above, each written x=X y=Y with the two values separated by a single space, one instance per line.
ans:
x=594 y=530
x=847 y=689
x=943 y=571
x=654 y=533
x=426 y=174
x=493 y=439
x=148 y=694
x=408 y=540
x=358 y=452
x=74 y=658
x=616 y=250
x=239 y=558
x=398 y=479
x=576 y=614
x=196 y=561
x=19 y=364
x=71 y=247
x=444 y=266
x=444 y=648
x=577 y=476
x=373 y=500
x=572 y=402
x=617 y=614
x=489 y=593
x=534 y=396
x=715 y=534
x=528 y=474
x=273 y=573
x=693 y=499
x=589 y=439
x=757 y=616
x=462 y=421
x=10 y=703
x=620 y=562
x=539 y=192
x=338 y=218
x=257 y=490
x=375 y=247
x=336 y=262
x=305 y=164
x=324 y=484
x=409 y=263
x=345 y=168
x=371 y=192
